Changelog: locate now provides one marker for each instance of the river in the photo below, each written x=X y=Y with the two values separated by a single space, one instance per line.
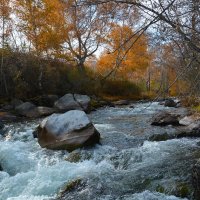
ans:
x=125 y=166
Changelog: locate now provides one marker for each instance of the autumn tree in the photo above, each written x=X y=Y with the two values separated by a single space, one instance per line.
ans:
x=43 y=24
x=5 y=11
x=178 y=21
x=87 y=27
x=125 y=58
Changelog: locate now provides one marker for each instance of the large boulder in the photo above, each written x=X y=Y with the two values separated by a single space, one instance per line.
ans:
x=164 y=119
x=67 y=131
x=73 y=102
x=170 y=103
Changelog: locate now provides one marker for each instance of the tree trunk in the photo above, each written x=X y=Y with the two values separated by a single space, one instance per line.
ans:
x=3 y=79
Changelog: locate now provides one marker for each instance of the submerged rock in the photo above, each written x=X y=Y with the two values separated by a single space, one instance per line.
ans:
x=164 y=119
x=170 y=103
x=67 y=131
x=196 y=181
x=161 y=137
x=69 y=187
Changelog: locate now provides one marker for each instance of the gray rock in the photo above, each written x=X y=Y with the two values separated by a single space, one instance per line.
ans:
x=191 y=126
x=66 y=103
x=191 y=121
x=45 y=111
x=170 y=103
x=83 y=101
x=164 y=119
x=73 y=102
x=26 y=109
x=194 y=132
x=16 y=102
x=67 y=131
x=30 y=110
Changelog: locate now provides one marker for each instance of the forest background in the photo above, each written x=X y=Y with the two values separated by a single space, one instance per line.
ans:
x=112 y=49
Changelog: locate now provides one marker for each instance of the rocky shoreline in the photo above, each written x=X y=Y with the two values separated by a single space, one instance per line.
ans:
x=68 y=127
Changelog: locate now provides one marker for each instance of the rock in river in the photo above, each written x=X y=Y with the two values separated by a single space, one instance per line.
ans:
x=196 y=180
x=25 y=109
x=73 y=102
x=170 y=103
x=67 y=131
x=164 y=119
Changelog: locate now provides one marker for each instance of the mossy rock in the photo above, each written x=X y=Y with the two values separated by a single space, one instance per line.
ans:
x=146 y=182
x=96 y=104
x=69 y=187
x=160 y=137
x=182 y=190
x=77 y=156
x=74 y=157
x=160 y=189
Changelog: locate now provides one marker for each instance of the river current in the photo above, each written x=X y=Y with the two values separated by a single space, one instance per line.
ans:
x=125 y=166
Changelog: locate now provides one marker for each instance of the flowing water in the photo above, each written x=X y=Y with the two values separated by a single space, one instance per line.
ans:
x=125 y=166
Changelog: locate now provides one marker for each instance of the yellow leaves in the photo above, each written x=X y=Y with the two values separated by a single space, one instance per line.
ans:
x=42 y=22
x=129 y=56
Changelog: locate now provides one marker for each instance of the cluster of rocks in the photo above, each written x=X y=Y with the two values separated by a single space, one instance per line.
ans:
x=68 y=129
x=44 y=106
x=186 y=126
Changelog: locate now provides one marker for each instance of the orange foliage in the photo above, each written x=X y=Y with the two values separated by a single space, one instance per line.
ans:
x=42 y=22
x=129 y=56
